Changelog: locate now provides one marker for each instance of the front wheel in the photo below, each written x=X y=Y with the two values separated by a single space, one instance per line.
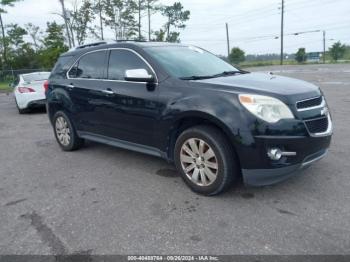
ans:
x=206 y=160
x=65 y=133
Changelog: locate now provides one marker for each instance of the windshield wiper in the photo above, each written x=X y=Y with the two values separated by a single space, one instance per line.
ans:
x=227 y=73
x=195 y=77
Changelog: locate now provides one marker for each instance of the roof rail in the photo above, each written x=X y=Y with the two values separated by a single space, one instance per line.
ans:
x=130 y=40
x=105 y=42
x=91 y=45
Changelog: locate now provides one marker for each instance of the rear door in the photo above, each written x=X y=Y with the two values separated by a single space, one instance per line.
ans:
x=84 y=85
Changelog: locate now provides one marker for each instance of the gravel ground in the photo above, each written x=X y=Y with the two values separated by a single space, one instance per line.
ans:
x=104 y=200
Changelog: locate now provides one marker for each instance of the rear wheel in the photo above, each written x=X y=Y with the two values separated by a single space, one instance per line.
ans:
x=65 y=133
x=206 y=160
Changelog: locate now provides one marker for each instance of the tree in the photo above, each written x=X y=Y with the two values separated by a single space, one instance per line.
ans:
x=151 y=8
x=54 y=45
x=160 y=35
x=98 y=9
x=15 y=35
x=337 y=51
x=3 y=5
x=300 y=56
x=35 y=33
x=21 y=54
x=236 y=56
x=119 y=16
x=176 y=18
x=80 y=19
x=65 y=18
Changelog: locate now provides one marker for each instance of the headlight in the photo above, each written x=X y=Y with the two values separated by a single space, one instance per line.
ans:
x=267 y=108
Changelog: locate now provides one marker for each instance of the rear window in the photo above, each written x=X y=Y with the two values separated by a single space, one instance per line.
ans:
x=36 y=77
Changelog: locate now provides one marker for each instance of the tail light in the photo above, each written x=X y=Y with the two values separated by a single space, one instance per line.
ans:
x=25 y=90
x=46 y=85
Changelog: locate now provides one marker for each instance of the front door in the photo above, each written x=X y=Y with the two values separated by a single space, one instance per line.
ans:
x=131 y=108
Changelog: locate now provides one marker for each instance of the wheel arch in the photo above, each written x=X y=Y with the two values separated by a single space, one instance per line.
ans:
x=191 y=119
x=59 y=100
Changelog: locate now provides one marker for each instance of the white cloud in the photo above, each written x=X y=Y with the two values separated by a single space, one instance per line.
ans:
x=247 y=19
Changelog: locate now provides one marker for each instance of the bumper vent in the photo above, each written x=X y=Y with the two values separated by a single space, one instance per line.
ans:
x=309 y=103
x=319 y=125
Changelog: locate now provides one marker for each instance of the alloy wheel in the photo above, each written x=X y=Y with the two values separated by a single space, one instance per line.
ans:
x=62 y=131
x=199 y=162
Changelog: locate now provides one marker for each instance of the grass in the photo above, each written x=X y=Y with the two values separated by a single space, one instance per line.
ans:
x=4 y=87
x=286 y=62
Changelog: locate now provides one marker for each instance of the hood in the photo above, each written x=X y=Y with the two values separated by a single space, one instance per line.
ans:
x=263 y=83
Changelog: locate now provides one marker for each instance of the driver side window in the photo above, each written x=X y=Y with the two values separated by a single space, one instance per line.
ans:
x=122 y=60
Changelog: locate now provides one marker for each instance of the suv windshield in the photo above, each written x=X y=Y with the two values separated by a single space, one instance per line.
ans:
x=188 y=62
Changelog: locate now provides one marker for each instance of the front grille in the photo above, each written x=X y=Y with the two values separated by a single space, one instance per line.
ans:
x=309 y=103
x=318 y=125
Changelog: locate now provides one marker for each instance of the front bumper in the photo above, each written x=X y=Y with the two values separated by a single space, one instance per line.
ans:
x=263 y=177
x=258 y=169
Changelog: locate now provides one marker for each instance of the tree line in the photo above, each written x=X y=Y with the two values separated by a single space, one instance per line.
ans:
x=30 y=46
x=336 y=52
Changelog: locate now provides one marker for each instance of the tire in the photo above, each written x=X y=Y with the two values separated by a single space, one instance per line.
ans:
x=65 y=132
x=23 y=111
x=220 y=161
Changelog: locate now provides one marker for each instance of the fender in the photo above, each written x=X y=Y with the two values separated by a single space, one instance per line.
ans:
x=58 y=99
x=223 y=111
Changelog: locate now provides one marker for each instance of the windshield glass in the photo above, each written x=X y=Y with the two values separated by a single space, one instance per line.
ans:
x=36 y=77
x=189 y=61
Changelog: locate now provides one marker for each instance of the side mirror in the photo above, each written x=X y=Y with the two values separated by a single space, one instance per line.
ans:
x=12 y=85
x=138 y=75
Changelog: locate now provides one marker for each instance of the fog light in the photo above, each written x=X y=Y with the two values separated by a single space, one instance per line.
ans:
x=276 y=153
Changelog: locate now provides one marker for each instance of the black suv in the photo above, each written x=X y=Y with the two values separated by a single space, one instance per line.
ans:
x=186 y=105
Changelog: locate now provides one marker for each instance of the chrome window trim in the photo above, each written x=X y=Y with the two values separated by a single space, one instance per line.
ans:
x=78 y=59
x=111 y=80
x=323 y=103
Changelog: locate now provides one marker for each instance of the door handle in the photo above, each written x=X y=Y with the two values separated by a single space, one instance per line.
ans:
x=108 y=91
x=70 y=86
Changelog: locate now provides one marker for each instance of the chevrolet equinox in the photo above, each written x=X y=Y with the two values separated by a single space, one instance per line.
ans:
x=186 y=105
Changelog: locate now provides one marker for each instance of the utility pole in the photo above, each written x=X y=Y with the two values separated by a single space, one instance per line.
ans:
x=228 y=41
x=282 y=30
x=66 y=23
x=324 y=46
x=149 y=20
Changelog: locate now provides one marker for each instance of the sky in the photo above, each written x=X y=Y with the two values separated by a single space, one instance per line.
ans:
x=253 y=24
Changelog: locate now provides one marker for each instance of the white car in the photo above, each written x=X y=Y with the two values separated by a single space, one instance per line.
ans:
x=29 y=90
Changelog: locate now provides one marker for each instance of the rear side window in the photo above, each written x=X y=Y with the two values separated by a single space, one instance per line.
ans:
x=90 y=66
x=61 y=66
x=122 y=60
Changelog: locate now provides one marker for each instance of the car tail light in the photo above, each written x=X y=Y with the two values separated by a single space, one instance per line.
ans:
x=25 y=90
x=46 y=85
